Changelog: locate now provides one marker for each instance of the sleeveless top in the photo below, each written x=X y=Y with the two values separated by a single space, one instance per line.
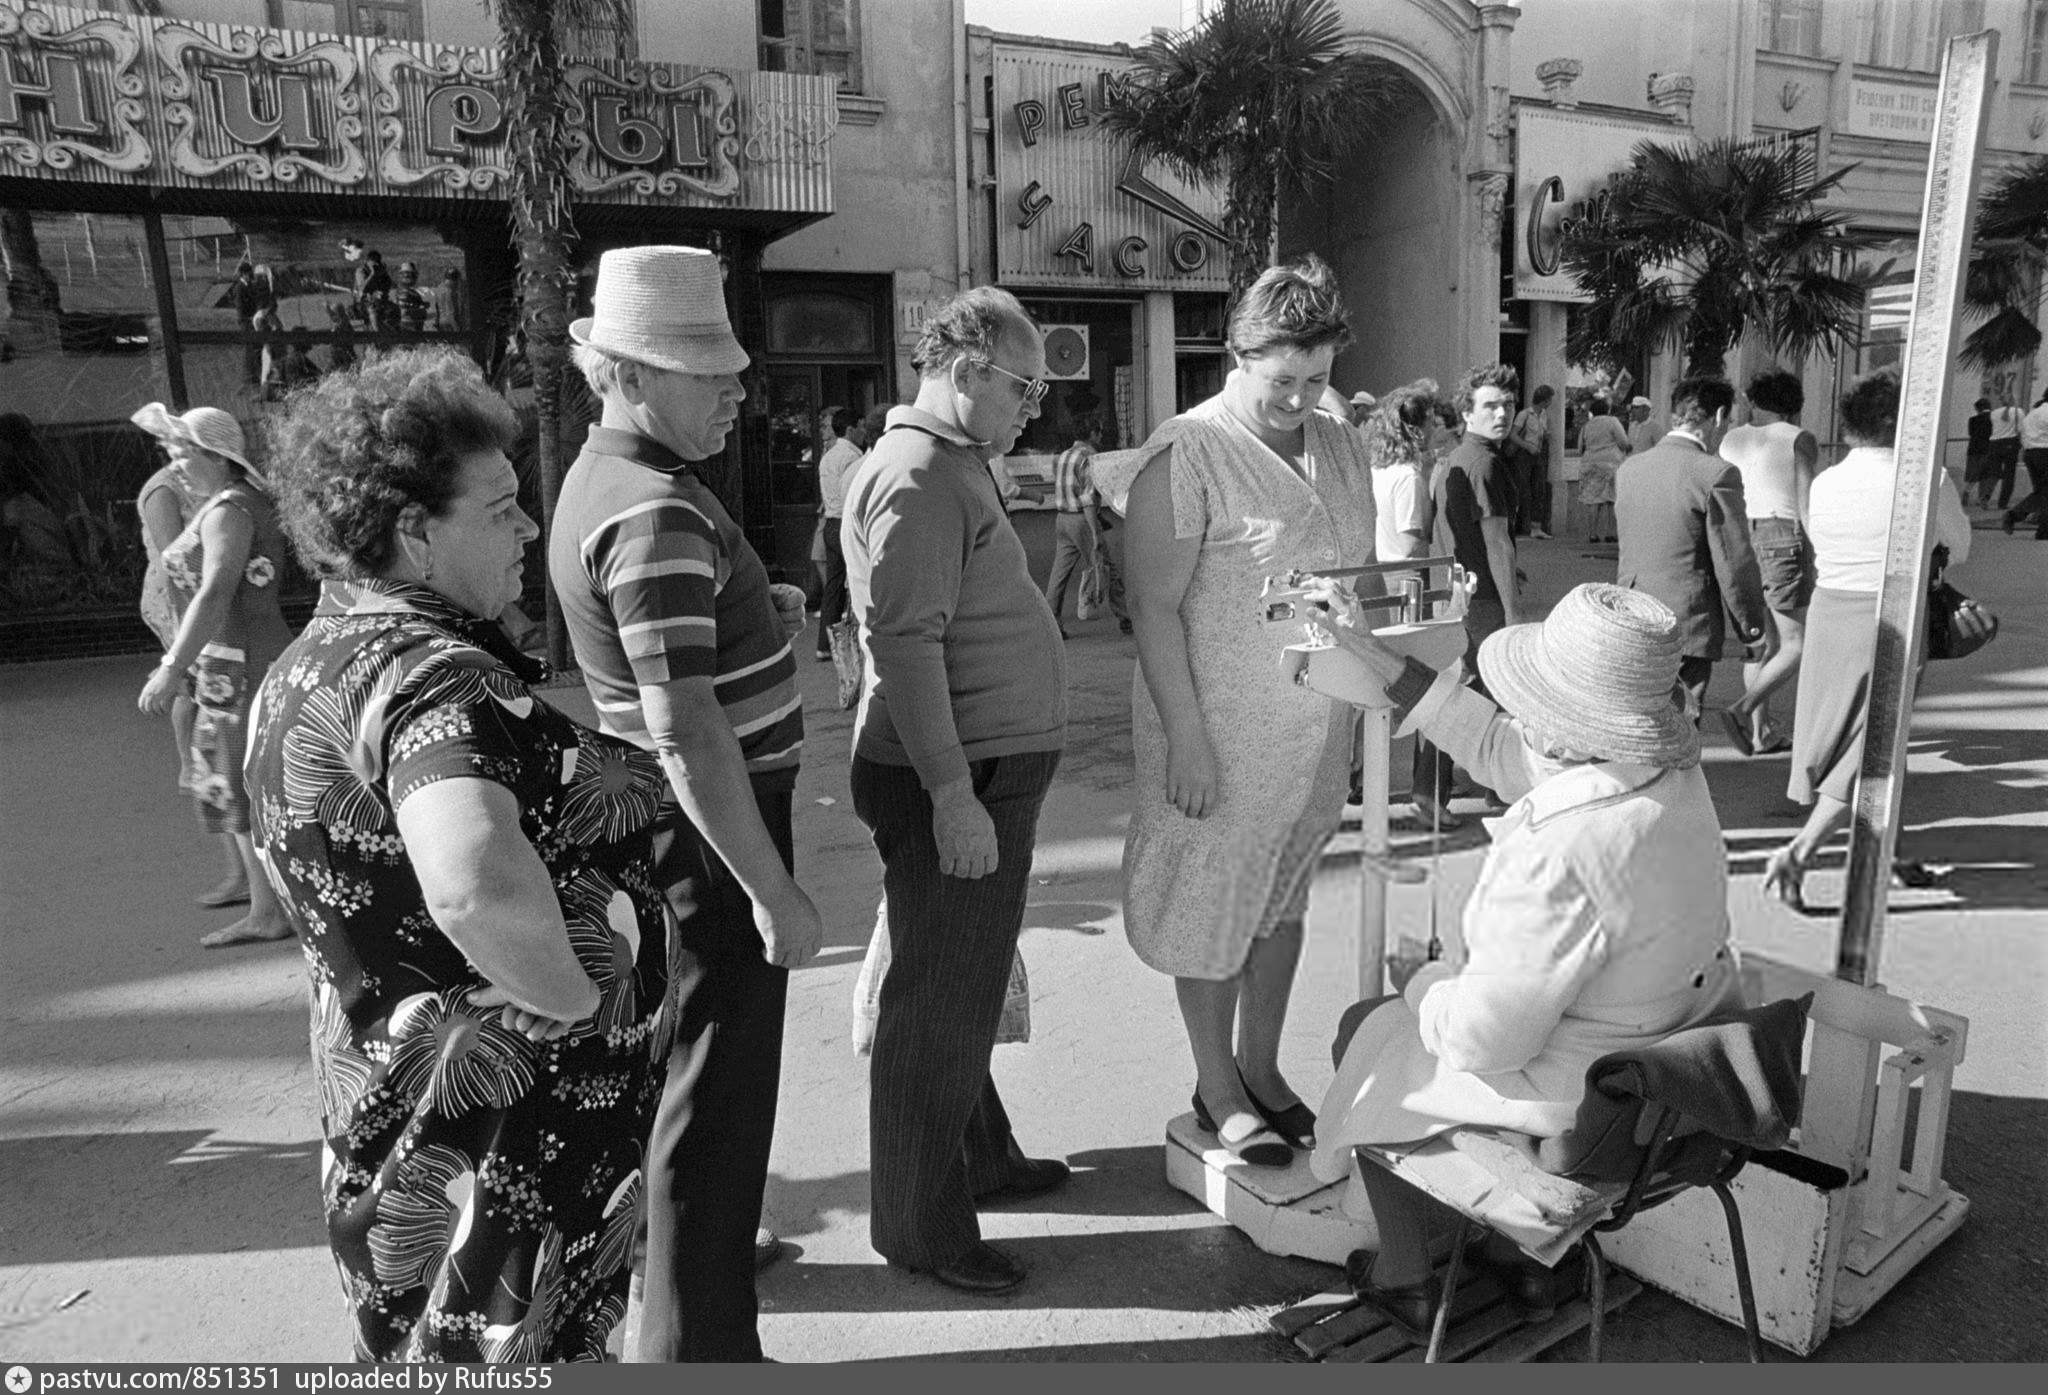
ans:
x=1770 y=476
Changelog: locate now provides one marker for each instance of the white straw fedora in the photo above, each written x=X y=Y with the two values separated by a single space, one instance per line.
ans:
x=1597 y=677
x=209 y=428
x=662 y=306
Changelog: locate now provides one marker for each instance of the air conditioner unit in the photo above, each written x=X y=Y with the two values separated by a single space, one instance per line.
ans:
x=1066 y=351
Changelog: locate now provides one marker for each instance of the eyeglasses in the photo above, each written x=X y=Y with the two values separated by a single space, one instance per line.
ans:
x=1034 y=388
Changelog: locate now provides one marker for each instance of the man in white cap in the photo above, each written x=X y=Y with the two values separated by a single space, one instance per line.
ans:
x=1642 y=432
x=959 y=733
x=683 y=651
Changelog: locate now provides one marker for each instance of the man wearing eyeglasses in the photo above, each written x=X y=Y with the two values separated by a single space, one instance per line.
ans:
x=958 y=735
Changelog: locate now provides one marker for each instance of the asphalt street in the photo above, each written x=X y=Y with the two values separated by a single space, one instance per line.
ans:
x=159 y=1131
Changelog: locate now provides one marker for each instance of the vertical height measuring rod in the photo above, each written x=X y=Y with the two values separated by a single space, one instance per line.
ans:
x=1947 y=217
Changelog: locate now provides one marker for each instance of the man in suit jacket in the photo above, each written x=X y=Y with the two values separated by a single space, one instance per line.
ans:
x=1685 y=533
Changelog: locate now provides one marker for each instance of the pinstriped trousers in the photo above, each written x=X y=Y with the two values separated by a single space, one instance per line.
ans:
x=937 y=1132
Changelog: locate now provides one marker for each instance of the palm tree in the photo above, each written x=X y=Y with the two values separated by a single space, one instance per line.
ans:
x=1694 y=246
x=2005 y=283
x=1260 y=96
x=533 y=34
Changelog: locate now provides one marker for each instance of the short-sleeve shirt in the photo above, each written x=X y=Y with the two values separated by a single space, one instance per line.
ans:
x=840 y=458
x=1073 y=483
x=1468 y=488
x=1401 y=505
x=657 y=584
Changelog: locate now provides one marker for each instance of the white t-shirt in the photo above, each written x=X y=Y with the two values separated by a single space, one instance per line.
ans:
x=1849 y=519
x=2034 y=429
x=1401 y=501
x=840 y=458
x=1771 y=483
x=2005 y=423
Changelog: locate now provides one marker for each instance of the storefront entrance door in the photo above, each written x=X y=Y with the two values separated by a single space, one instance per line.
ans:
x=801 y=398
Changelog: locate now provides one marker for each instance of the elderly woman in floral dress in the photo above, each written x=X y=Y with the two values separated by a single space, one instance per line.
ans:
x=226 y=560
x=469 y=870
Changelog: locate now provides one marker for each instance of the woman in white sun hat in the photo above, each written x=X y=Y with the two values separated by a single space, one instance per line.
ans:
x=1599 y=921
x=228 y=559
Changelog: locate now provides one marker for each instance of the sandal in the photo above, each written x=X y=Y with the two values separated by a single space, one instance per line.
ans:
x=241 y=933
x=1261 y=1147
x=1783 y=878
x=1737 y=729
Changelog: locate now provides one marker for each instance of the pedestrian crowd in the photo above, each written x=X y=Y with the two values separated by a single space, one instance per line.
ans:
x=549 y=961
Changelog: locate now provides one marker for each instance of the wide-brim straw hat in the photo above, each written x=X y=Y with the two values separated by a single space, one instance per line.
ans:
x=1596 y=677
x=209 y=428
x=662 y=306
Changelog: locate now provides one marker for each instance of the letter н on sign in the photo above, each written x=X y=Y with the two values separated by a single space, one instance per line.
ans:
x=62 y=93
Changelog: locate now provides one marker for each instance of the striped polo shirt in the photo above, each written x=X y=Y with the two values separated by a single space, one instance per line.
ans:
x=658 y=583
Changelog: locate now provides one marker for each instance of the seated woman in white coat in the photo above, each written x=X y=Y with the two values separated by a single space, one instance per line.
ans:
x=1599 y=921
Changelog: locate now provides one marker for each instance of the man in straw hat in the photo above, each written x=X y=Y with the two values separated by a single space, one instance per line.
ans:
x=958 y=736
x=1684 y=528
x=1598 y=923
x=684 y=653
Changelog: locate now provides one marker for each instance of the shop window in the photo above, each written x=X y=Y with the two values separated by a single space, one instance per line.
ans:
x=2034 y=34
x=822 y=325
x=80 y=349
x=363 y=19
x=1914 y=34
x=821 y=37
x=1789 y=26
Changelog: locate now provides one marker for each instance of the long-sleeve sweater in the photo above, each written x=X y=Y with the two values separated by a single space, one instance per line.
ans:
x=964 y=657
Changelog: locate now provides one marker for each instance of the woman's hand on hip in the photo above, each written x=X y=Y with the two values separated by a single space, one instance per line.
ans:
x=533 y=1026
x=1191 y=776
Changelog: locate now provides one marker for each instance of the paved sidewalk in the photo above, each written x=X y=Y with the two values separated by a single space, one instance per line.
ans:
x=160 y=1139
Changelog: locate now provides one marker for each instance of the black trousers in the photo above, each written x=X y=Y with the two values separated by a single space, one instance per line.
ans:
x=2005 y=453
x=832 y=605
x=707 y=1160
x=937 y=1132
x=2035 y=505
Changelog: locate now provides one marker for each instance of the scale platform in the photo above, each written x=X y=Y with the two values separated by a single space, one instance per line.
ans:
x=1284 y=1211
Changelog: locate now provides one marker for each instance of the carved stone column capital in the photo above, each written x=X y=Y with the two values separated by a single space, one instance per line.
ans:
x=1557 y=76
x=1671 y=93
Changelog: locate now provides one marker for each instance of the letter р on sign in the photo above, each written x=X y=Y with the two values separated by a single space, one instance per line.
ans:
x=1030 y=119
x=460 y=109
x=62 y=93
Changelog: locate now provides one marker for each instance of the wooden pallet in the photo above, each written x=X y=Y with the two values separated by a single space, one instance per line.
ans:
x=1335 y=1326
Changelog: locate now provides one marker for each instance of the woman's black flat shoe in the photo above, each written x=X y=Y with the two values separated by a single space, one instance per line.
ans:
x=1262 y=1147
x=1296 y=1123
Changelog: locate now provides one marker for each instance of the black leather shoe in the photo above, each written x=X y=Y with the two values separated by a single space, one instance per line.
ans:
x=1031 y=1177
x=1532 y=1290
x=983 y=1269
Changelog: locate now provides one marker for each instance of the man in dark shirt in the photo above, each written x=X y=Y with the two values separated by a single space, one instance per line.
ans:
x=1475 y=512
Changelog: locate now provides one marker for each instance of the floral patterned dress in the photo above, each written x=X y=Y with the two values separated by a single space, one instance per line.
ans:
x=479 y=1188
x=233 y=661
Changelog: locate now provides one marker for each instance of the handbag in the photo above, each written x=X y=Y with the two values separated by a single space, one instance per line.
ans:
x=1090 y=602
x=1946 y=637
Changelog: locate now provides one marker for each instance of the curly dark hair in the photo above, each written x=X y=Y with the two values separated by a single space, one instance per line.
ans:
x=352 y=451
x=1401 y=424
x=1295 y=306
x=1775 y=390
x=1870 y=408
x=1698 y=398
x=1493 y=375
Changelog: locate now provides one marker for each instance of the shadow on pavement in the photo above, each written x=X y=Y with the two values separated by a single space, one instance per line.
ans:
x=81 y=1197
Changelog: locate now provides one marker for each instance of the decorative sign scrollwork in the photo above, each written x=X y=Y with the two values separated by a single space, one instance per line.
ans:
x=122 y=145
x=471 y=105
x=697 y=136
x=786 y=131
x=231 y=74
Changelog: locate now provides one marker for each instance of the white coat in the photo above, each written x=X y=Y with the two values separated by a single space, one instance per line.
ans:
x=1599 y=922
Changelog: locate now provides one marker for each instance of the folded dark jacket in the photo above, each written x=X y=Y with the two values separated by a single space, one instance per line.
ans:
x=1734 y=1077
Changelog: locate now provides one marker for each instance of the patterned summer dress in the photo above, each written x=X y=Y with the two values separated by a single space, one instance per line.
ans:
x=479 y=1189
x=1197 y=892
x=251 y=635
x=163 y=605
